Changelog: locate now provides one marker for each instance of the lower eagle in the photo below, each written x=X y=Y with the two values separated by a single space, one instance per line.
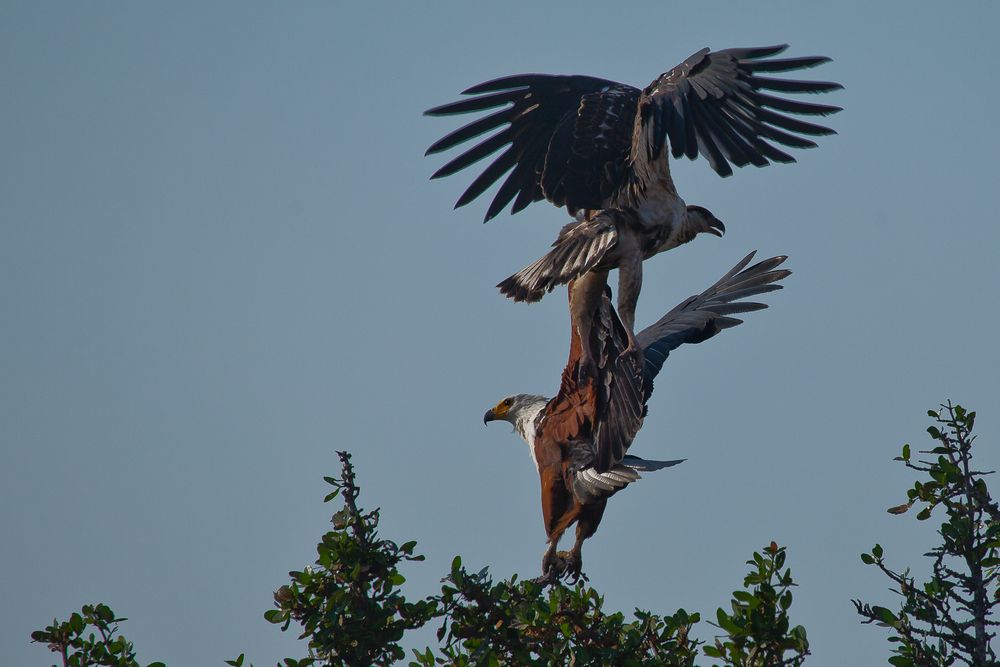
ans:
x=579 y=439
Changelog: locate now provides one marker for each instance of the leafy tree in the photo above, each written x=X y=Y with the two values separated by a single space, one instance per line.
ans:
x=349 y=604
x=758 y=628
x=78 y=648
x=518 y=623
x=947 y=619
x=352 y=611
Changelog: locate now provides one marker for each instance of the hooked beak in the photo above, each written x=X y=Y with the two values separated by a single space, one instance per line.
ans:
x=489 y=416
x=716 y=227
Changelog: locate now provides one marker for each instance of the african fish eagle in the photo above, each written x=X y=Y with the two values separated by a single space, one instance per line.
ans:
x=579 y=439
x=593 y=144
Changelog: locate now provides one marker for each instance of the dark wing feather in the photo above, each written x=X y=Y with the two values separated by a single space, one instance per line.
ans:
x=622 y=391
x=581 y=246
x=597 y=419
x=711 y=105
x=602 y=136
x=537 y=104
x=700 y=317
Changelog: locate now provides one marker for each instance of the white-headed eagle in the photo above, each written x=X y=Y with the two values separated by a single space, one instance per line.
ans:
x=592 y=144
x=579 y=439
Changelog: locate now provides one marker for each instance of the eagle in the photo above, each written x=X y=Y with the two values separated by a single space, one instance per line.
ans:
x=579 y=439
x=594 y=145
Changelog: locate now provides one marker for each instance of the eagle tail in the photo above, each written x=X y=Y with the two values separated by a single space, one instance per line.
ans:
x=646 y=465
x=590 y=485
x=581 y=246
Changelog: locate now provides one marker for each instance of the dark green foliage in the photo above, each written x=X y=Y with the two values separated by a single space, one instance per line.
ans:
x=757 y=628
x=523 y=623
x=352 y=611
x=349 y=604
x=102 y=645
x=948 y=619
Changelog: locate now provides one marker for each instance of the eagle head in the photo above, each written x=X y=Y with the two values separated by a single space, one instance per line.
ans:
x=513 y=408
x=704 y=221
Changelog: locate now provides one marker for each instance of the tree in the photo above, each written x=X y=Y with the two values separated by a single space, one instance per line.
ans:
x=107 y=647
x=949 y=617
x=352 y=610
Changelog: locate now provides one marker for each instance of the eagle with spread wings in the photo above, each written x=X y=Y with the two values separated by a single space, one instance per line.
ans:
x=594 y=145
x=579 y=440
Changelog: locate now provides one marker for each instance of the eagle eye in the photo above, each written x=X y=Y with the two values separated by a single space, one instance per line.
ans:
x=507 y=402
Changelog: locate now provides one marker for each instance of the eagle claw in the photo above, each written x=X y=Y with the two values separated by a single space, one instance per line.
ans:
x=571 y=567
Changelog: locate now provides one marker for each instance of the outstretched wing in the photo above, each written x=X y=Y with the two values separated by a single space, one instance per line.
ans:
x=548 y=153
x=715 y=104
x=700 y=317
x=595 y=420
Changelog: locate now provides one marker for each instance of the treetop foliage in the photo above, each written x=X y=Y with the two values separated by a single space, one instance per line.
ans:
x=352 y=610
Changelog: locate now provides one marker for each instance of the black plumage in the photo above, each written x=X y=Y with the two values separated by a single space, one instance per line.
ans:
x=579 y=141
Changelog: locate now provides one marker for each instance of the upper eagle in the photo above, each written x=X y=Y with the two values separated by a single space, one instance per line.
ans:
x=588 y=143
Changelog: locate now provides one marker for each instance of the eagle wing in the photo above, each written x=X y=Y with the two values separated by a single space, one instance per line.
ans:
x=595 y=420
x=574 y=140
x=566 y=139
x=700 y=317
x=714 y=104
x=581 y=246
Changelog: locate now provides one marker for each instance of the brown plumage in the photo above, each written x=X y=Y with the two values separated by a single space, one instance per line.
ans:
x=579 y=439
x=589 y=423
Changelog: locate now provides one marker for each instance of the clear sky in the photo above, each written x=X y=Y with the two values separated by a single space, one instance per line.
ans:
x=221 y=259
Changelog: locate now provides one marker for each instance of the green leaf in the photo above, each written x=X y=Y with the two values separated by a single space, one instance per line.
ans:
x=867 y=559
x=906 y=452
x=877 y=551
x=274 y=615
x=238 y=662
x=886 y=615
x=712 y=651
x=924 y=514
x=104 y=613
x=727 y=623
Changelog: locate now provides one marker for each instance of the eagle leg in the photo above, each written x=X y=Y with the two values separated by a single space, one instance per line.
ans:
x=585 y=294
x=629 y=286
x=586 y=526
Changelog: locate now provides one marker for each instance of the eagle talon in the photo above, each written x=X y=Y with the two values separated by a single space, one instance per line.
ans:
x=552 y=571
x=545 y=580
x=572 y=567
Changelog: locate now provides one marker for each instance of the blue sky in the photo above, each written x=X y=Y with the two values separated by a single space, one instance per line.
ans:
x=221 y=260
